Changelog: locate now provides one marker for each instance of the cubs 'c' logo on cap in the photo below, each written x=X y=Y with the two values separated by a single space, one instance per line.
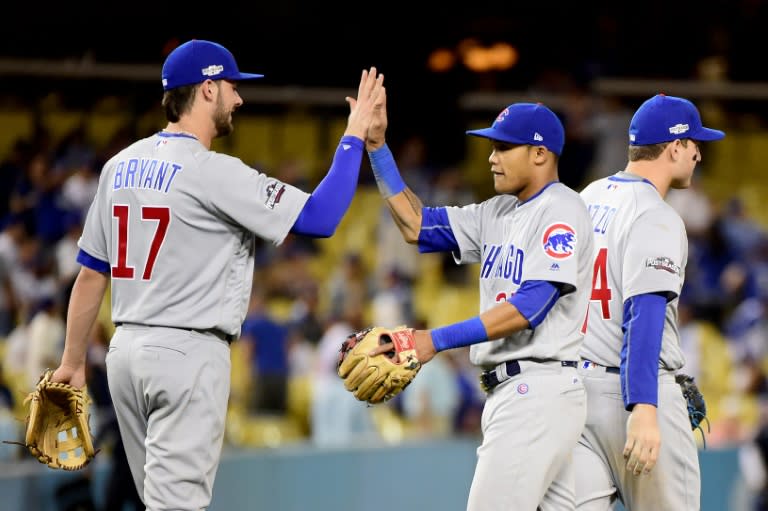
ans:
x=503 y=115
x=559 y=241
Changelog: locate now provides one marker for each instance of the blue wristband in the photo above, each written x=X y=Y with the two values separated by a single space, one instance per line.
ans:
x=385 y=171
x=464 y=333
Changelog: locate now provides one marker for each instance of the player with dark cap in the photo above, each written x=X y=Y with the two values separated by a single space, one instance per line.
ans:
x=534 y=247
x=637 y=445
x=173 y=229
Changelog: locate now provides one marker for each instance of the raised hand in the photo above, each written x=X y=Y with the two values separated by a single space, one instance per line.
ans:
x=363 y=109
x=378 y=127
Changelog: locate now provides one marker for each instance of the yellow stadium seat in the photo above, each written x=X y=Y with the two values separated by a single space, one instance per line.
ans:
x=253 y=141
x=14 y=125
x=101 y=127
x=62 y=122
x=297 y=138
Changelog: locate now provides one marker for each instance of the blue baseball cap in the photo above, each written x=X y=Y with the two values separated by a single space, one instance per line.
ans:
x=196 y=61
x=666 y=118
x=526 y=123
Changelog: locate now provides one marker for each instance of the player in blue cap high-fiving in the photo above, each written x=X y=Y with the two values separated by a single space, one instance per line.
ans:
x=173 y=228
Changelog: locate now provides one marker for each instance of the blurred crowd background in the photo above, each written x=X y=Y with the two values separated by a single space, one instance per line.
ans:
x=66 y=108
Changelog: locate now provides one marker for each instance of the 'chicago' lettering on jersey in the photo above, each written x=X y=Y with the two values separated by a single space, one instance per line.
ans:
x=145 y=173
x=502 y=262
x=601 y=216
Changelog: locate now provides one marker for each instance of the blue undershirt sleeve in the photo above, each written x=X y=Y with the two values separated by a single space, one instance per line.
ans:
x=436 y=234
x=534 y=299
x=385 y=171
x=463 y=333
x=643 y=328
x=91 y=262
x=325 y=208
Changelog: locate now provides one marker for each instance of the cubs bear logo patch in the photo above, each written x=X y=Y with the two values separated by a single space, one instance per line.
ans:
x=559 y=241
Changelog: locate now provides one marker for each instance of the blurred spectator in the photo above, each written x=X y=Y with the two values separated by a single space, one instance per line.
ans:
x=45 y=337
x=11 y=170
x=693 y=206
x=66 y=249
x=471 y=395
x=266 y=341
x=33 y=279
x=10 y=428
x=431 y=401
x=38 y=200
x=609 y=128
x=740 y=231
x=709 y=256
x=747 y=330
x=753 y=464
x=392 y=302
x=11 y=237
x=337 y=418
x=349 y=285
x=79 y=189
x=304 y=317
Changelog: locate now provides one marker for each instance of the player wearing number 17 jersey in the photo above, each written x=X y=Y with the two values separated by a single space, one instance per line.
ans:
x=637 y=445
x=173 y=228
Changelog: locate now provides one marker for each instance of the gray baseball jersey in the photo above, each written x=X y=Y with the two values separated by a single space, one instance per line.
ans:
x=641 y=247
x=177 y=224
x=548 y=237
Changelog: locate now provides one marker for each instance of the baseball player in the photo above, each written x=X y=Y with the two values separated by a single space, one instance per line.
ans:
x=534 y=246
x=637 y=417
x=173 y=228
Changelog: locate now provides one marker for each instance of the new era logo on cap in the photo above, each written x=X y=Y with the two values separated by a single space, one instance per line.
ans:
x=665 y=118
x=526 y=123
x=196 y=61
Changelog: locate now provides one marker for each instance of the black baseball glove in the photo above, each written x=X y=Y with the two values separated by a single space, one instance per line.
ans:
x=697 y=407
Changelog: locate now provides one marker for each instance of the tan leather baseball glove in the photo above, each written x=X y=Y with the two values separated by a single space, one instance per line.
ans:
x=57 y=430
x=378 y=378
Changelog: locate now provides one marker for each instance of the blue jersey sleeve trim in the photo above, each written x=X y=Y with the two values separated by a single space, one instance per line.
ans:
x=534 y=299
x=91 y=262
x=464 y=333
x=643 y=328
x=325 y=208
x=385 y=170
x=436 y=234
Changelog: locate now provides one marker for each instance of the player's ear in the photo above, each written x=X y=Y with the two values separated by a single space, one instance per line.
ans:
x=675 y=147
x=207 y=89
x=539 y=153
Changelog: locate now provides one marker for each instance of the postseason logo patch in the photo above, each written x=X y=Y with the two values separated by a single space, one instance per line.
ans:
x=274 y=194
x=662 y=263
x=559 y=241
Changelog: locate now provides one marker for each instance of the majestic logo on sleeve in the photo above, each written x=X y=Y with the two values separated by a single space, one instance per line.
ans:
x=274 y=192
x=663 y=263
x=559 y=241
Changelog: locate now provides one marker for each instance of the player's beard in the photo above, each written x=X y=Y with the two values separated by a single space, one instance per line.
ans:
x=222 y=119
